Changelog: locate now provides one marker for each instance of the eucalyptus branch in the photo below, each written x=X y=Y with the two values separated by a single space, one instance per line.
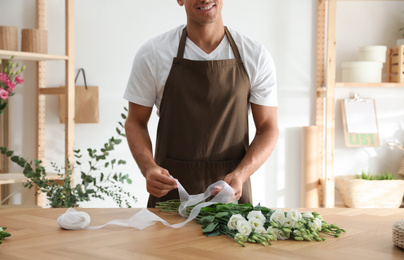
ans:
x=94 y=183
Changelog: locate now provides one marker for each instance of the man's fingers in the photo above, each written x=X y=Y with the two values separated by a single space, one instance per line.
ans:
x=216 y=190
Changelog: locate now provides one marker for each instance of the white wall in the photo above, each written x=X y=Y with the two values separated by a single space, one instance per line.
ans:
x=109 y=33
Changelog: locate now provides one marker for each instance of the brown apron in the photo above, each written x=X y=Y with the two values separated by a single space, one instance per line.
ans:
x=203 y=128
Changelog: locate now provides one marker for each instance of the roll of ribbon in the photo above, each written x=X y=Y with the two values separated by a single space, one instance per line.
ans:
x=74 y=219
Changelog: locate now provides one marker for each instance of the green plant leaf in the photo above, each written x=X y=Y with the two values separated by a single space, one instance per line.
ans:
x=211 y=227
x=121 y=162
x=222 y=214
x=213 y=233
x=207 y=220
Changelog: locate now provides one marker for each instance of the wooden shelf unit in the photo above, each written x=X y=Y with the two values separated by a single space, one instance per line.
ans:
x=10 y=178
x=42 y=90
x=325 y=91
x=30 y=56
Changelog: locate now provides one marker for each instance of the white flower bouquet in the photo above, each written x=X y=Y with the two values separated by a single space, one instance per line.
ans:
x=246 y=223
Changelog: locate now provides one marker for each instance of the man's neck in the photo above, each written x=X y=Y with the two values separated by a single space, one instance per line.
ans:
x=206 y=37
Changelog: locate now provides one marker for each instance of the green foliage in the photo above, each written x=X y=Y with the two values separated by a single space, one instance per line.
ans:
x=3 y=234
x=376 y=177
x=100 y=176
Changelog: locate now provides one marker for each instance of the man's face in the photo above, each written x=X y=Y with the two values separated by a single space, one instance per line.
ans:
x=202 y=12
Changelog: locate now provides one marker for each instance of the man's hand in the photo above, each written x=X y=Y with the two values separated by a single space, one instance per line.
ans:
x=235 y=182
x=159 y=182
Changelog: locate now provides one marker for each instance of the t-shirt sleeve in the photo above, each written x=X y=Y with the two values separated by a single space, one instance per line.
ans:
x=141 y=88
x=263 y=82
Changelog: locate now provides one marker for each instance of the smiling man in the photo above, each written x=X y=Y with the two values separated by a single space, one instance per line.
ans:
x=203 y=78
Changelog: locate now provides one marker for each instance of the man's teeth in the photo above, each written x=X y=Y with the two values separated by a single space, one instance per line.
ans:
x=206 y=8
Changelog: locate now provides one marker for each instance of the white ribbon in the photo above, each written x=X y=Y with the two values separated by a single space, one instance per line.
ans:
x=73 y=219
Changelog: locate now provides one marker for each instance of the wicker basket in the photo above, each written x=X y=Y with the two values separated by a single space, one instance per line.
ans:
x=358 y=193
x=398 y=233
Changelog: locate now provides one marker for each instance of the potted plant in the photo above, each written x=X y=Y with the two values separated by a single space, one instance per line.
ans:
x=100 y=179
x=370 y=191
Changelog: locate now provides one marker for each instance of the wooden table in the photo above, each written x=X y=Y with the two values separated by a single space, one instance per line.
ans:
x=35 y=234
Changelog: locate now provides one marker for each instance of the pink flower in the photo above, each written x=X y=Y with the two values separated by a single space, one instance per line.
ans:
x=3 y=77
x=3 y=94
x=10 y=84
x=19 y=79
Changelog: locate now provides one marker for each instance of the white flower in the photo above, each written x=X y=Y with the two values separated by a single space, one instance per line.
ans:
x=255 y=223
x=307 y=215
x=256 y=214
x=260 y=230
x=232 y=224
x=278 y=216
x=316 y=224
x=279 y=234
x=287 y=223
x=294 y=215
x=243 y=227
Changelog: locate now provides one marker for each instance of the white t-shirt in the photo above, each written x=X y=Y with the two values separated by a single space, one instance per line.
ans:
x=153 y=61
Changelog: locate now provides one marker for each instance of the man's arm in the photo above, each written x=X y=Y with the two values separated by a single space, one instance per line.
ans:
x=266 y=123
x=158 y=180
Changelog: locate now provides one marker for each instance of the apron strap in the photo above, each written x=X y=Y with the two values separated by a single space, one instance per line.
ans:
x=181 y=47
x=232 y=44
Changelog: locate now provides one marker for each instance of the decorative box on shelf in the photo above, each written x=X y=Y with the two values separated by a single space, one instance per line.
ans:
x=395 y=64
x=359 y=193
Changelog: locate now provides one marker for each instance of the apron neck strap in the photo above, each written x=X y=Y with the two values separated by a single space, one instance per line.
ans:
x=232 y=44
x=181 y=48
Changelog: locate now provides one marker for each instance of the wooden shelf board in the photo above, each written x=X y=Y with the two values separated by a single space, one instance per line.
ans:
x=368 y=85
x=10 y=178
x=18 y=55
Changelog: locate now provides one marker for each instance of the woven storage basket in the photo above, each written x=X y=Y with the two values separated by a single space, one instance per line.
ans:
x=358 y=193
x=398 y=233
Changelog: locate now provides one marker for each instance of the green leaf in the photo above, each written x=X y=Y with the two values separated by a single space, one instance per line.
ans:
x=207 y=220
x=213 y=233
x=123 y=116
x=222 y=214
x=211 y=227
